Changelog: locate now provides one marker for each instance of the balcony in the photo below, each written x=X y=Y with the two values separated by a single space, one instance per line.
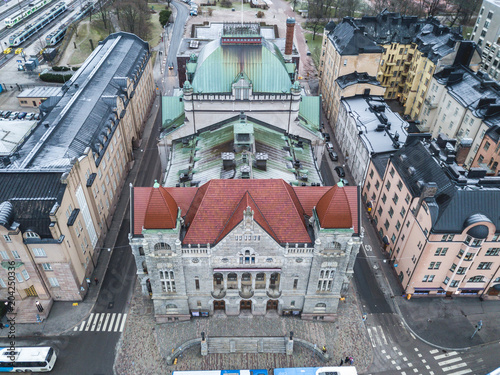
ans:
x=273 y=293
x=218 y=293
x=431 y=104
x=246 y=292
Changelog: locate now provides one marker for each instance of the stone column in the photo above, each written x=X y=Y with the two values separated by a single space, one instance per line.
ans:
x=224 y=278
x=267 y=281
x=239 y=281
x=253 y=281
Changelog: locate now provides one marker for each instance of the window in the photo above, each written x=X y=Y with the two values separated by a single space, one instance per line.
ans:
x=47 y=266
x=25 y=274
x=400 y=185
x=53 y=282
x=441 y=251
x=460 y=254
x=431 y=265
x=368 y=185
x=398 y=225
x=2 y=284
x=325 y=282
x=454 y=284
x=19 y=277
x=69 y=211
x=391 y=212
x=391 y=173
x=380 y=211
x=4 y=254
x=403 y=212
x=453 y=267
x=386 y=225
x=15 y=254
x=492 y=251
x=167 y=281
x=426 y=277
x=446 y=280
x=384 y=198
x=469 y=256
x=395 y=199
x=486 y=145
x=476 y=279
x=490 y=14
x=371 y=173
x=431 y=278
x=407 y=199
x=295 y=283
x=461 y=270
x=197 y=283
x=484 y=266
x=388 y=185
x=6 y=237
x=32 y=235
x=393 y=238
x=377 y=185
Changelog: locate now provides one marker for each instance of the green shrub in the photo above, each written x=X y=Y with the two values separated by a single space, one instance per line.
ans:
x=164 y=16
x=226 y=4
x=75 y=68
x=59 y=78
x=260 y=14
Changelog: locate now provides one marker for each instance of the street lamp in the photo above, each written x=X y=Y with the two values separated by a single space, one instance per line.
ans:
x=39 y=306
x=479 y=325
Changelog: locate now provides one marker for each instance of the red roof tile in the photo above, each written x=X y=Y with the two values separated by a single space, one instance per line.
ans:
x=334 y=208
x=215 y=202
x=309 y=196
x=161 y=210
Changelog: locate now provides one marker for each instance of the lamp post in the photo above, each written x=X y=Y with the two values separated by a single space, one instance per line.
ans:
x=39 y=306
x=479 y=325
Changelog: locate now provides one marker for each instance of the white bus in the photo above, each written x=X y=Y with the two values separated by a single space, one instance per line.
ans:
x=34 y=359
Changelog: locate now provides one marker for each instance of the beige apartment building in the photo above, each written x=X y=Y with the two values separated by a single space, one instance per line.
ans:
x=436 y=220
x=59 y=186
x=462 y=105
x=402 y=52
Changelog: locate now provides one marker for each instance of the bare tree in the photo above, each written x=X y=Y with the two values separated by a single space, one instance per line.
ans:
x=134 y=17
x=101 y=4
x=463 y=11
x=319 y=12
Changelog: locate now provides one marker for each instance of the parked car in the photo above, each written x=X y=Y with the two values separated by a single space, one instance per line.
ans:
x=29 y=116
x=13 y=115
x=340 y=171
x=6 y=114
x=171 y=66
x=327 y=137
x=36 y=117
x=193 y=12
x=344 y=181
x=7 y=51
x=18 y=51
x=21 y=115
x=333 y=156
x=329 y=146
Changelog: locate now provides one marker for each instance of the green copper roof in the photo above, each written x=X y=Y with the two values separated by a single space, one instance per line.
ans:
x=172 y=111
x=290 y=68
x=309 y=111
x=191 y=67
x=219 y=65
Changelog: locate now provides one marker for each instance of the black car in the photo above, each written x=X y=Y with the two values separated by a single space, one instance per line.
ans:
x=327 y=137
x=333 y=156
x=6 y=114
x=340 y=171
x=21 y=115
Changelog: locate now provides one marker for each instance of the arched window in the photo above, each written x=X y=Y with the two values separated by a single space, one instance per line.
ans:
x=162 y=246
x=320 y=305
x=320 y=308
x=141 y=250
x=171 y=308
x=337 y=245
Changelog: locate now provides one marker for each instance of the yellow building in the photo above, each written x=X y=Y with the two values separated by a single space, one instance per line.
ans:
x=402 y=52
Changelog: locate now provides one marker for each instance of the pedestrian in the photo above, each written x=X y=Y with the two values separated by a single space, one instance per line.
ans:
x=351 y=361
x=96 y=281
x=346 y=360
x=1 y=325
x=341 y=362
x=323 y=349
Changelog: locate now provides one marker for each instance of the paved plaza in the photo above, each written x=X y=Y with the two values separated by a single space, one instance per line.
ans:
x=144 y=344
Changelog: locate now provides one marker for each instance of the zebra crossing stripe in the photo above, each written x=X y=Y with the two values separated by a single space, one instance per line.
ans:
x=105 y=322
x=456 y=359
x=123 y=322
x=99 y=324
x=462 y=372
x=463 y=364
x=110 y=328
x=450 y=354
x=371 y=337
x=434 y=351
x=88 y=323
x=117 y=322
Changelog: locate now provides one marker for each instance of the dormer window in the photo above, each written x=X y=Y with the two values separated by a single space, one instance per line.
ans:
x=32 y=235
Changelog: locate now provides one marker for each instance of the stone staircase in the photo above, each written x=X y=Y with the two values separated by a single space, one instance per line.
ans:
x=226 y=345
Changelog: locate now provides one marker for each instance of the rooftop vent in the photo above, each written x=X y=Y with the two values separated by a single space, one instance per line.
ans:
x=261 y=160
x=403 y=157
x=411 y=170
x=245 y=171
x=380 y=128
x=476 y=173
x=227 y=160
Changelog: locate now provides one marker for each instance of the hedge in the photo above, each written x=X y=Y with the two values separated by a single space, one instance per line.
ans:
x=59 y=78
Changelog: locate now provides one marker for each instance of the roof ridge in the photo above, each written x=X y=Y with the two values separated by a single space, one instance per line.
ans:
x=273 y=234
x=201 y=190
x=287 y=188
x=217 y=239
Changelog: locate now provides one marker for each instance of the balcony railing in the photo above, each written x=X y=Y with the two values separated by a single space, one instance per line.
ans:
x=218 y=293
x=246 y=292
x=273 y=293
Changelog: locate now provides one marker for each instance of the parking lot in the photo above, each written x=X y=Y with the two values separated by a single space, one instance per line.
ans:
x=10 y=103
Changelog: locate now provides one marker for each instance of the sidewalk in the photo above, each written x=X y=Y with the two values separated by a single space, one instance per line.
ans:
x=64 y=316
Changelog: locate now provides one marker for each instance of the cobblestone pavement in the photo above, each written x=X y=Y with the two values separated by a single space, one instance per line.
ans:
x=144 y=344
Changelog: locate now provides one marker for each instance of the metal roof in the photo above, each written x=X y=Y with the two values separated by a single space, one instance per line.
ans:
x=310 y=111
x=172 y=111
x=80 y=116
x=219 y=65
x=41 y=92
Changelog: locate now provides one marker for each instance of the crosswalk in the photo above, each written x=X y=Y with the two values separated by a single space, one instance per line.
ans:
x=377 y=336
x=103 y=322
x=451 y=363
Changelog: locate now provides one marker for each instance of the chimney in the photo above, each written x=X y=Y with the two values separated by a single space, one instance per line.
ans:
x=290 y=25
x=429 y=190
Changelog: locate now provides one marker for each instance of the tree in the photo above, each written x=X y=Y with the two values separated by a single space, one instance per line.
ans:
x=318 y=13
x=463 y=11
x=134 y=17
x=165 y=16
x=101 y=4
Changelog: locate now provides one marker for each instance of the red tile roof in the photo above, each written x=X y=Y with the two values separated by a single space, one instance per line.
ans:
x=334 y=209
x=161 y=210
x=215 y=208
x=215 y=201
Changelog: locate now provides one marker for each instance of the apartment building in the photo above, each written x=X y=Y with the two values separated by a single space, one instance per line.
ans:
x=366 y=127
x=488 y=154
x=462 y=105
x=485 y=34
x=60 y=184
x=437 y=220
x=408 y=51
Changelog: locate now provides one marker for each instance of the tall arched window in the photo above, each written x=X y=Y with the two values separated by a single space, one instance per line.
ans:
x=162 y=246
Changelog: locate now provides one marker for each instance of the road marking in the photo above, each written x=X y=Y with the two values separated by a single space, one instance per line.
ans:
x=419 y=355
x=415 y=370
x=416 y=349
x=463 y=364
x=434 y=351
x=398 y=368
x=456 y=359
x=412 y=335
x=395 y=348
x=110 y=328
x=383 y=351
x=405 y=359
x=123 y=322
x=450 y=354
x=388 y=356
x=95 y=322
x=462 y=372
x=427 y=367
x=431 y=372
x=99 y=325
x=368 y=248
x=105 y=322
x=90 y=320
x=118 y=316
x=371 y=337
x=424 y=361
x=393 y=362
x=410 y=364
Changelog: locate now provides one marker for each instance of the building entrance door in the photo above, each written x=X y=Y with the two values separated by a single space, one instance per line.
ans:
x=245 y=305
x=272 y=304
x=219 y=305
